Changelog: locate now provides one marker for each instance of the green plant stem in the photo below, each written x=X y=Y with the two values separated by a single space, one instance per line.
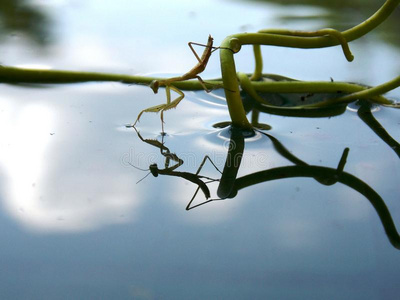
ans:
x=230 y=83
x=228 y=69
x=370 y=93
x=37 y=76
x=302 y=110
x=317 y=87
x=314 y=87
x=258 y=69
x=228 y=65
x=322 y=41
x=20 y=75
x=322 y=32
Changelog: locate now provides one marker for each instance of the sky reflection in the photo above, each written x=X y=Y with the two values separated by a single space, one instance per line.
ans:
x=76 y=224
x=50 y=185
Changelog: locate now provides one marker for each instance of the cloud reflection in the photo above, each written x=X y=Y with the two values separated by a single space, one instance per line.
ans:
x=46 y=193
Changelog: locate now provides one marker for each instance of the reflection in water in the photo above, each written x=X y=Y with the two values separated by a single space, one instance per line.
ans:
x=50 y=185
x=170 y=171
x=230 y=184
x=365 y=114
x=163 y=150
x=20 y=17
x=25 y=169
x=324 y=175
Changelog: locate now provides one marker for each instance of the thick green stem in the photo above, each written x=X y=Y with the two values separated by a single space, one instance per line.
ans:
x=230 y=82
x=228 y=65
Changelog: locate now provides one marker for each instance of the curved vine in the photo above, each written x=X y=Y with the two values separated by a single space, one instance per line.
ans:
x=233 y=82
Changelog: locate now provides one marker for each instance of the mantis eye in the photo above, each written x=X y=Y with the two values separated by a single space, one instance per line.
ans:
x=154 y=86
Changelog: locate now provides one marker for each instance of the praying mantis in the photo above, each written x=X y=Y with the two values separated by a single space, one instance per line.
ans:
x=192 y=177
x=202 y=62
x=170 y=170
x=192 y=74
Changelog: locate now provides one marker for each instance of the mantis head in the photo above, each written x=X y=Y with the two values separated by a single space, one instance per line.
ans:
x=155 y=84
x=154 y=169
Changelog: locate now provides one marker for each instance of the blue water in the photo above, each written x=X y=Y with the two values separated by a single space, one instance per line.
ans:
x=75 y=225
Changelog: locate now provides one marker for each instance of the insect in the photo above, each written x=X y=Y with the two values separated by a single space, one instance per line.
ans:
x=163 y=149
x=170 y=170
x=192 y=177
x=192 y=74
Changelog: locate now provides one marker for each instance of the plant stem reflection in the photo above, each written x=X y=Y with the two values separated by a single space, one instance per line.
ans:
x=229 y=184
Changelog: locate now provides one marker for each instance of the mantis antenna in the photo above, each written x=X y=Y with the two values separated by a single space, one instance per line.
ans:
x=143 y=177
x=140 y=170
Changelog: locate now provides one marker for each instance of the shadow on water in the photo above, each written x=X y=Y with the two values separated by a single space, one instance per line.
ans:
x=20 y=17
x=229 y=184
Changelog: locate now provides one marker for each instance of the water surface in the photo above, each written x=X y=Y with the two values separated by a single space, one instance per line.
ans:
x=73 y=221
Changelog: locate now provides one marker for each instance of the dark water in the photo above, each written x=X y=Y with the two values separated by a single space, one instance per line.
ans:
x=75 y=225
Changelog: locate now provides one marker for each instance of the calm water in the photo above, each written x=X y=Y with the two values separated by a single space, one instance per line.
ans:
x=75 y=225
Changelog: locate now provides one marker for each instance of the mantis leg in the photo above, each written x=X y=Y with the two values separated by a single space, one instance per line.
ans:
x=188 y=206
x=170 y=104
x=197 y=44
x=203 y=162
x=163 y=107
x=194 y=51
x=203 y=84
x=155 y=109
